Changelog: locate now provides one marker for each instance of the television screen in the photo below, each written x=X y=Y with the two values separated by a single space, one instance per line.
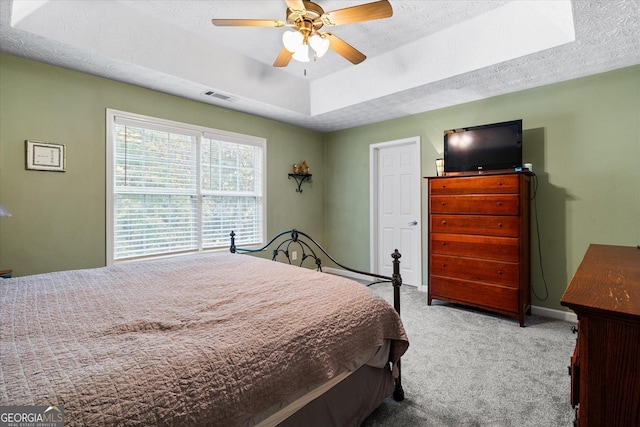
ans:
x=488 y=147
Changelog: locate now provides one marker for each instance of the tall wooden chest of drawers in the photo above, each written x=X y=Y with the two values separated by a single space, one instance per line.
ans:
x=479 y=241
x=605 y=366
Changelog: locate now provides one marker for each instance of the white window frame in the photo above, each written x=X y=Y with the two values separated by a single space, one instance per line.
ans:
x=201 y=132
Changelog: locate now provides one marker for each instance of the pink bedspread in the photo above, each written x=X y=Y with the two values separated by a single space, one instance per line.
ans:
x=194 y=340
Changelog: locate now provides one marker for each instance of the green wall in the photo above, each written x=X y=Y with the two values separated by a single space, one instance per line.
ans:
x=58 y=220
x=583 y=138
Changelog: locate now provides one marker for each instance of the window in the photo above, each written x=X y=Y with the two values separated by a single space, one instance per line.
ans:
x=174 y=187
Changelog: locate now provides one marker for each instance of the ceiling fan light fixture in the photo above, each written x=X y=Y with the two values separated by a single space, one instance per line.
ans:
x=292 y=40
x=302 y=54
x=319 y=44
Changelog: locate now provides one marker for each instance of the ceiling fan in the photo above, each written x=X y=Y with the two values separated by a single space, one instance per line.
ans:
x=307 y=18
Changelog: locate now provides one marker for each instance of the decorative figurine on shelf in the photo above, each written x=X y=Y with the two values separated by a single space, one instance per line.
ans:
x=304 y=168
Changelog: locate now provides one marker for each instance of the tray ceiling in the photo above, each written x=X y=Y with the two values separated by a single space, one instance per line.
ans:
x=428 y=55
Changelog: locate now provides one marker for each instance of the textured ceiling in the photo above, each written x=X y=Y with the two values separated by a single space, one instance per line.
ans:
x=430 y=54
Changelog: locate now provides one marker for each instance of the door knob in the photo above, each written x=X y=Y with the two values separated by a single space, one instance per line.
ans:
x=413 y=223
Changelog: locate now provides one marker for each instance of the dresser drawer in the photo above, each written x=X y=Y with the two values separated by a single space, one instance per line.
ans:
x=495 y=204
x=486 y=225
x=477 y=294
x=476 y=184
x=495 y=248
x=478 y=269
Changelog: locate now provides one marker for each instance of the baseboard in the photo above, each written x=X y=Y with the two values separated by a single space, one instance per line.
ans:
x=568 y=316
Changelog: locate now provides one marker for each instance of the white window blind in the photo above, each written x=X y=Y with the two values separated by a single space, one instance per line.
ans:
x=180 y=188
x=232 y=191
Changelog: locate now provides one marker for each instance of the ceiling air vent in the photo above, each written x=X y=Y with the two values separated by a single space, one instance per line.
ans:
x=217 y=95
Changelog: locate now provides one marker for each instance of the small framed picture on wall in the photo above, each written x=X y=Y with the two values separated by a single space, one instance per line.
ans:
x=46 y=156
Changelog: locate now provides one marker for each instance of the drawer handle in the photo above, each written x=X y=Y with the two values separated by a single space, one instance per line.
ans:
x=500 y=183
x=499 y=225
x=443 y=203
x=500 y=272
x=499 y=203
x=444 y=222
x=444 y=243
x=444 y=265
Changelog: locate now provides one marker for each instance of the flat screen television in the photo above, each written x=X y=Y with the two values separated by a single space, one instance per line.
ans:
x=487 y=147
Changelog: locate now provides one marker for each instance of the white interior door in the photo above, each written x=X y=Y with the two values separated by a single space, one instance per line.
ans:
x=396 y=220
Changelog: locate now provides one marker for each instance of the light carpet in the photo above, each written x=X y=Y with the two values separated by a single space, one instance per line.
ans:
x=468 y=367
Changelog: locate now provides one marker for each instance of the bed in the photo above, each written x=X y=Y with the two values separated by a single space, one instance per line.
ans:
x=204 y=339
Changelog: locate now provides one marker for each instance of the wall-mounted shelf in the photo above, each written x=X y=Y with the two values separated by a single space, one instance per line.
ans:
x=300 y=178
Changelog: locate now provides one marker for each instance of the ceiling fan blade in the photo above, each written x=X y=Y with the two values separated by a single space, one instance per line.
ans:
x=344 y=49
x=283 y=59
x=295 y=4
x=247 y=23
x=364 y=12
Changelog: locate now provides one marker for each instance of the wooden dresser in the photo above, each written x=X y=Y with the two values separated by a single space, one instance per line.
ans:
x=479 y=241
x=605 y=367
